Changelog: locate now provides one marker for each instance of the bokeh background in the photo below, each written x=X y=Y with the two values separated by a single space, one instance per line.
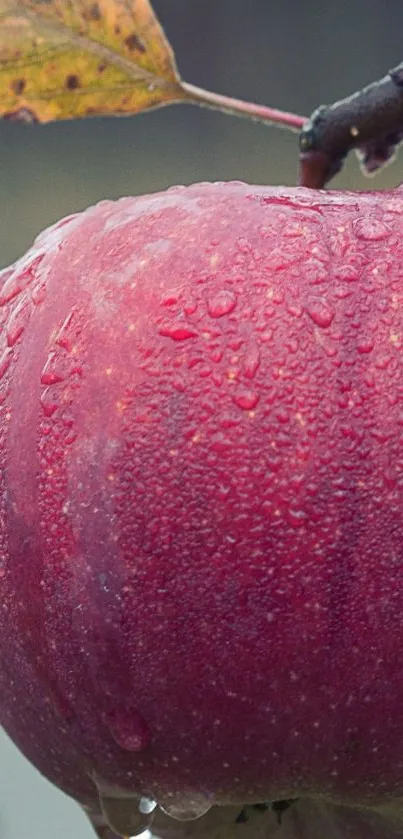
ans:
x=293 y=54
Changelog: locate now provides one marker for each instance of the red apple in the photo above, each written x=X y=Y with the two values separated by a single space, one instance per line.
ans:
x=201 y=565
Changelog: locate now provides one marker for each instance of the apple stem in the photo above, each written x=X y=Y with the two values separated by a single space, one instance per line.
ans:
x=240 y=108
x=370 y=121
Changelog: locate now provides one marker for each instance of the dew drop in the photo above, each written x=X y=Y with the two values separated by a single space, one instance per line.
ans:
x=370 y=229
x=5 y=274
x=320 y=312
x=48 y=404
x=190 y=307
x=63 y=337
x=282 y=416
x=316 y=272
x=245 y=398
x=185 y=806
x=216 y=354
x=5 y=360
x=129 y=729
x=220 y=443
x=51 y=374
x=169 y=299
x=11 y=288
x=365 y=346
x=389 y=479
x=178 y=332
x=17 y=321
x=295 y=310
x=297 y=518
x=221 y=303
x=251 y=361
x=347 y=273
x=382 y=362
x=38 y=293
x=18 y=280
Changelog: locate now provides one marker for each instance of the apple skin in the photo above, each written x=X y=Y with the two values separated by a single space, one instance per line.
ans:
x=201 y=469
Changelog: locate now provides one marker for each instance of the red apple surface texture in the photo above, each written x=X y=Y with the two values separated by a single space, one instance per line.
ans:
x=201 y=471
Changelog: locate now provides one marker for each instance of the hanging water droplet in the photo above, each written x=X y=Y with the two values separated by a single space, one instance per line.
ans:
x=185 y=806
x=221 y=303
x=147 y=805
x=125 y=814
x=320 y=312
x=129 y=729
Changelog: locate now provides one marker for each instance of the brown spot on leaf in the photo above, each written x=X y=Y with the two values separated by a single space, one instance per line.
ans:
x=72 y=82
x=21 y=115
x=18 y=86
x=133 y=42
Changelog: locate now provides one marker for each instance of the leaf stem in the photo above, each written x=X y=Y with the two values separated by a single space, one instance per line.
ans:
x=237 y=107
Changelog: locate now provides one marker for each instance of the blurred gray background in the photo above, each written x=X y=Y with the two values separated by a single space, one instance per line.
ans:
x=292 y=54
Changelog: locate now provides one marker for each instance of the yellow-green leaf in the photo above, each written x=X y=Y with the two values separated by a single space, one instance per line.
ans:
x=62 y=59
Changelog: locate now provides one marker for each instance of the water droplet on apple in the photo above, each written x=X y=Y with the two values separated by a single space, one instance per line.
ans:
x=38 y=293
x=221 y=303
x=129 y=729
x=251 y=361
x=5 y=360
x=320 y=312
x=5 y=274
x=10 y=289
x=246 y=399
x=296 y=517
x=51 y=374
x=17 y=321
x=347 y=273
x=219 y=443
x=19 y=280
x=48 y=403
x=185 y=807
x=216 y=354
x=370 y=229
x=365 y=346
x=178 y=331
